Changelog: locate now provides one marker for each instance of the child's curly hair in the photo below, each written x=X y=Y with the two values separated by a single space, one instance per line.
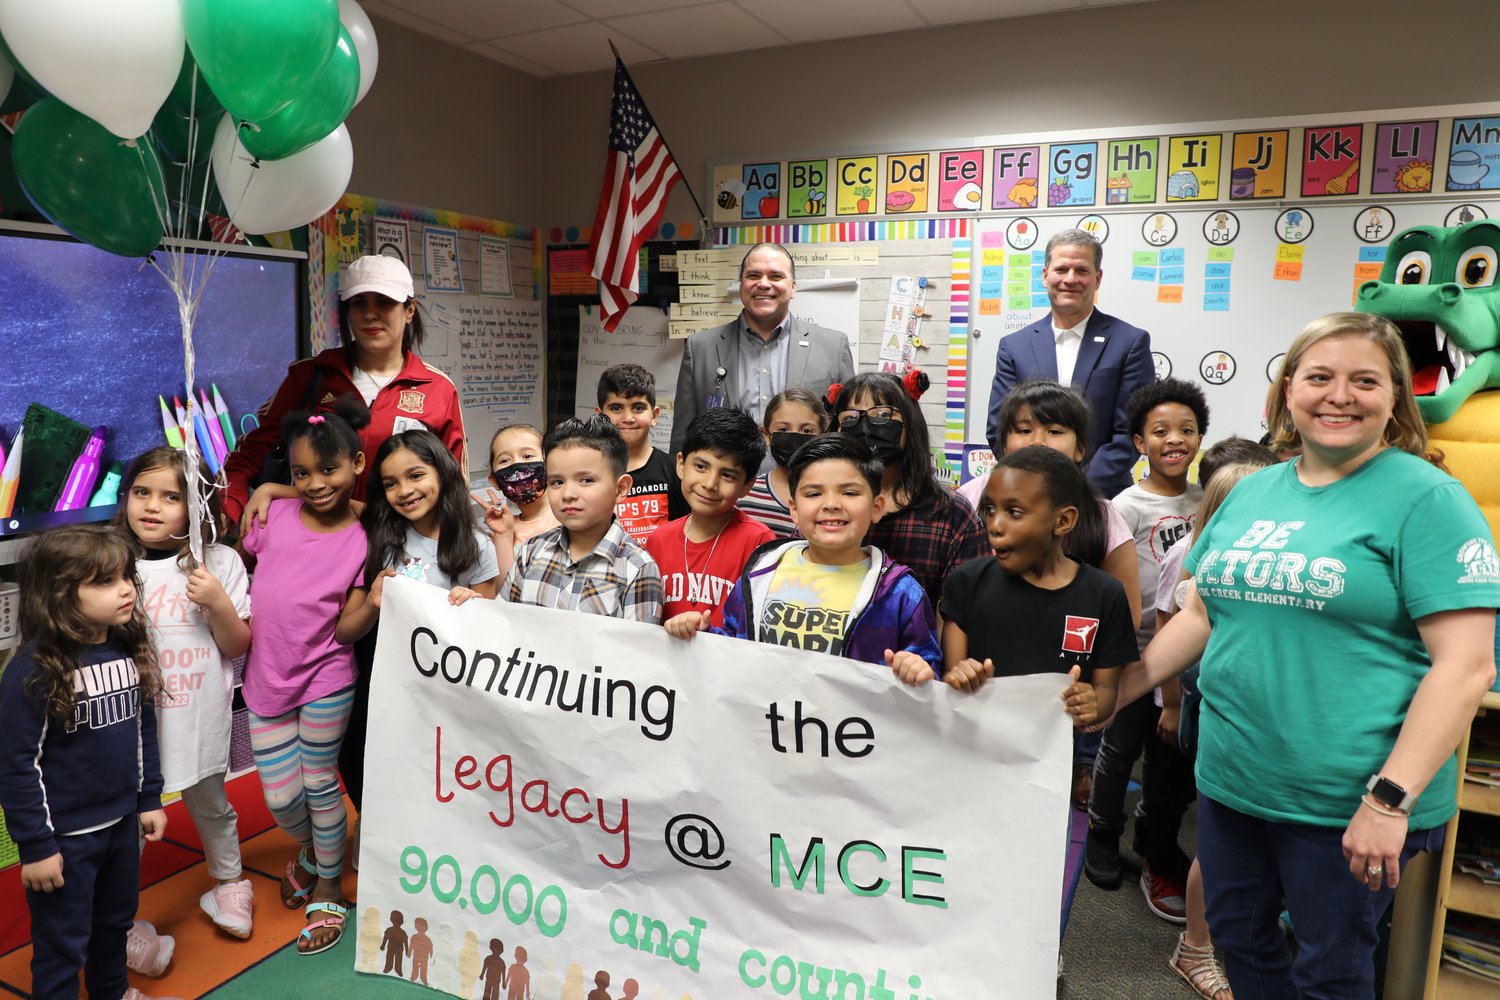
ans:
x=50 y=574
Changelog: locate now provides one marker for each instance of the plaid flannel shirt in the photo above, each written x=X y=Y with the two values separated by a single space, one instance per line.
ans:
x=617 y=579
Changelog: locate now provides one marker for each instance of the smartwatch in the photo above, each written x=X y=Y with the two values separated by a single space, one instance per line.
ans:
x=1389 y=794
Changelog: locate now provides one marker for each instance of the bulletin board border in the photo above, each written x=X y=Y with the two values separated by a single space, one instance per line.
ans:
x=323 y=252
x=959 y=230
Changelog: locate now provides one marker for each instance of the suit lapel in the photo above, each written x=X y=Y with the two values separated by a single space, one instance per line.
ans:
x=1091 y=349
x=729 y=360
x=797 y=356
x=1044 y=347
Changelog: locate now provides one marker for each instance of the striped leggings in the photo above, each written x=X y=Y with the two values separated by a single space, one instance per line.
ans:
x=297 y=755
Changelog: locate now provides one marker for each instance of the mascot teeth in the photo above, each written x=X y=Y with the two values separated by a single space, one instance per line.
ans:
x=1442 y=382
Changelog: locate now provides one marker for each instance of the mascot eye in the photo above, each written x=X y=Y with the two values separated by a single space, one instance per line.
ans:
x=1413 y=268
x=1476 y=268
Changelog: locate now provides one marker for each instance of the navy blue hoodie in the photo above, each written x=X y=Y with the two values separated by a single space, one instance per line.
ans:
x=100 y=767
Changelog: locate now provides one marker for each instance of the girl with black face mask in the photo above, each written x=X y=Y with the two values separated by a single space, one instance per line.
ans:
x=793 y=418
x=926 y=525
x=516 y=470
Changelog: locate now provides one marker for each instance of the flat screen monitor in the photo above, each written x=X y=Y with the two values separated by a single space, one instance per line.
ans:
x=97 y=338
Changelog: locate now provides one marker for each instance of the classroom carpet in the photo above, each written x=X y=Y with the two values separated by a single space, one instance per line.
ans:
x=209 y=964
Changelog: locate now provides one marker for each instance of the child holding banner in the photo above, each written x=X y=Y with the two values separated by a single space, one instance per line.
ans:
x=1033 y=608
x=309 y=559
x=702 y=555
x=589 y=563
x=828 y=592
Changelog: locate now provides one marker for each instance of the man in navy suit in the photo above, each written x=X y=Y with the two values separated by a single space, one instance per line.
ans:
x=1102 y=357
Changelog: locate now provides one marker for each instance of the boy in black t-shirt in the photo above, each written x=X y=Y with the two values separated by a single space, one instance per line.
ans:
x=627 y=396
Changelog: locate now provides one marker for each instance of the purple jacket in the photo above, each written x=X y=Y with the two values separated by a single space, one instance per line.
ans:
x=891 y=610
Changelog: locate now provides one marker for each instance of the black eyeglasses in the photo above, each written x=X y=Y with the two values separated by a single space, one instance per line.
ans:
x=878 y=415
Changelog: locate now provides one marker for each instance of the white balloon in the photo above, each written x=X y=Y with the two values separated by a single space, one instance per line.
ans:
x=269 y=196
x=113 y=60
x=355 y=21
x=7 y=74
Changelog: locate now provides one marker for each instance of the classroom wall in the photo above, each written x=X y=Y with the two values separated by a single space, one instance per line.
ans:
x=445 y=128
x=1158 y=63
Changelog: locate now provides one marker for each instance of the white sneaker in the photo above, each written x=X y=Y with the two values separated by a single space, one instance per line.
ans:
x=135 y=994
x=146 y=951
x=230 y=904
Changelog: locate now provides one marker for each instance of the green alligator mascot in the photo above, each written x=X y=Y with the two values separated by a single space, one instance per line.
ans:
x=1439 y=285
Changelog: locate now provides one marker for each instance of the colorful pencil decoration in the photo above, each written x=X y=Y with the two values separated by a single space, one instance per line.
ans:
x=109 y=489
x=211 y=417
x=10 y=475
x=169 y=425
x=226 y=422
x=205 y=440
x=80 y=482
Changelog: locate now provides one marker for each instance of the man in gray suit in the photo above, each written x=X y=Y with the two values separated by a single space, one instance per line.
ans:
x=747 y=361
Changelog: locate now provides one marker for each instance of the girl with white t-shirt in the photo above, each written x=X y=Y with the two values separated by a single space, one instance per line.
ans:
x=199 y=617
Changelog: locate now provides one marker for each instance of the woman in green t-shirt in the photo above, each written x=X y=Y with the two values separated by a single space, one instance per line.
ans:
x=1344 y=609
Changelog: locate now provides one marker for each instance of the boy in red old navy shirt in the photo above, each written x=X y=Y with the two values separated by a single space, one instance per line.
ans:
x=702 y=555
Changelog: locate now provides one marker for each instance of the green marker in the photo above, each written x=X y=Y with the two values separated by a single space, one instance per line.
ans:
x=225 y=423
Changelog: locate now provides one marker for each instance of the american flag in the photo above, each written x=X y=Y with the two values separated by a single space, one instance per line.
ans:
x=638 y=176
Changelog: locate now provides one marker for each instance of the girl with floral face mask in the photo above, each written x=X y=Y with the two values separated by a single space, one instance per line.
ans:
x=517 y=472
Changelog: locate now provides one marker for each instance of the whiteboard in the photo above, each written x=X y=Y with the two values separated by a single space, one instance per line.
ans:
x=495 y=352
x=641 y=338
x=493 y=348
x=1263 y=314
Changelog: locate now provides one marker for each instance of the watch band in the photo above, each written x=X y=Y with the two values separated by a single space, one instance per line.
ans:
x=1389 y=794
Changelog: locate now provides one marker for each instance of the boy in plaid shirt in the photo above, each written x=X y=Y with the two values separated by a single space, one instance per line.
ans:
x=588 y=563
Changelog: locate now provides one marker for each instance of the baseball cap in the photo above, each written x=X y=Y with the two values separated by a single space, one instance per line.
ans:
x=380 y=274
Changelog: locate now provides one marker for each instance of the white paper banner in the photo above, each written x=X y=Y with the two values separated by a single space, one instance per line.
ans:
x=599 y=806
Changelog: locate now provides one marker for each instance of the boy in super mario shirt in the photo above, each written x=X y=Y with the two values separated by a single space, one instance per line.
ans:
x=827 y=592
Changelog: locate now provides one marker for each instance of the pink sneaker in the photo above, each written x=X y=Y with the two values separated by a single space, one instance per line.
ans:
x=135 y=994
x=146 y=951
x=230 y=905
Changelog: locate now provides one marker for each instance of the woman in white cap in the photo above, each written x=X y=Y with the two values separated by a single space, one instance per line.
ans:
x=381 y=331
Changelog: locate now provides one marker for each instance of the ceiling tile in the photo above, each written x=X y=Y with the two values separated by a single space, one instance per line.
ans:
x=406 y=19
x=488 y=19
x=618 y=8
x=968 y=11
x=577 y=48
x=699 y=31
x=802 y=21
x=489 y=51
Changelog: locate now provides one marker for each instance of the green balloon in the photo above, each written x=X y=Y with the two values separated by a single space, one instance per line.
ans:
x=171 y=129
x=259 y=55
x=315 y=113
x=105 y=190
x=203 y=103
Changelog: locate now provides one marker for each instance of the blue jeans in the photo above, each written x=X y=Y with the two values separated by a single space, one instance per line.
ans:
x=1250 y=865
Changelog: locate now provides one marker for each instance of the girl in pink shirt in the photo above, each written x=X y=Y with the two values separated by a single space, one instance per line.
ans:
x=308 y=562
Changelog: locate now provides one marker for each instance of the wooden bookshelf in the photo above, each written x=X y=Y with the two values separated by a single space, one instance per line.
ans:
x=1462 y=893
